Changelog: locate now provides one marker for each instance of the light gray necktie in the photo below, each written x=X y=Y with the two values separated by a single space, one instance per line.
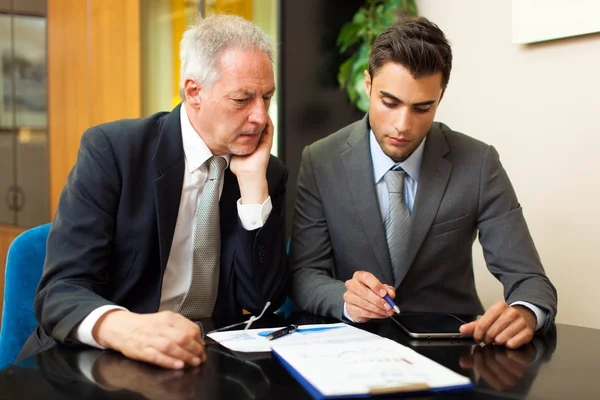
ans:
x=397 y=223
x=200 y=299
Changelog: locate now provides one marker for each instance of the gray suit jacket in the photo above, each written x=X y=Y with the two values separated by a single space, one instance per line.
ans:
x=462 y=190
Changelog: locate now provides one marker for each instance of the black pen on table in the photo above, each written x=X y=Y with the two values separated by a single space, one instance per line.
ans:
x=282 y=332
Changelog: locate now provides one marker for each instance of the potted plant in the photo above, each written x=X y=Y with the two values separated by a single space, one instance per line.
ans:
x=356 y=39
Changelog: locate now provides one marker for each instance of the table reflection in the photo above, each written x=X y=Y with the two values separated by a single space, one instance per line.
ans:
x=95 y=373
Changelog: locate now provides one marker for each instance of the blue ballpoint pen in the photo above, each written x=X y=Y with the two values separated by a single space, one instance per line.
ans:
x=392 y=304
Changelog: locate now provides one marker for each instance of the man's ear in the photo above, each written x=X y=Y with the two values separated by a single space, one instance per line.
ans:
x=192 y=92
x=368 y=83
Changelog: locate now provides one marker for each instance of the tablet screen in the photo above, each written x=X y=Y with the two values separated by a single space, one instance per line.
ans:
x=429 y=323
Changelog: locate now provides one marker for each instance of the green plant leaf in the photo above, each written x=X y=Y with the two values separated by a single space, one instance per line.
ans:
x=412 y=8
x=362 y=100
x=345 y=71
x=361 y=16
x=348 y=36
x=358 y=35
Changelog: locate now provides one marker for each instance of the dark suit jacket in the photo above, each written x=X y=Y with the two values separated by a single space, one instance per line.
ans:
x=463 y=190
x=111 y=236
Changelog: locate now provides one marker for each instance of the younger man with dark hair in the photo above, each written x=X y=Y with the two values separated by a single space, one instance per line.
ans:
x=392 y=204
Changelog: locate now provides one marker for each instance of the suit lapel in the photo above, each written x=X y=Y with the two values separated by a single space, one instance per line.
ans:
x=170 y=161
x=433 y=179
x=359 y=174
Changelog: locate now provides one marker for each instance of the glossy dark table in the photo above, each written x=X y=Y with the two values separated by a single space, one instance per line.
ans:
x=564 y=364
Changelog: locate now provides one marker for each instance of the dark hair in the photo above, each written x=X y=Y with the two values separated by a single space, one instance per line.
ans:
x=415 y=43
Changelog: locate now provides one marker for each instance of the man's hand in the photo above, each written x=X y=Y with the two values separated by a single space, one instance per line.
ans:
x=251 y=170
x=504 y=325
x=364 y=297
x=500 y=367
x=166 y=339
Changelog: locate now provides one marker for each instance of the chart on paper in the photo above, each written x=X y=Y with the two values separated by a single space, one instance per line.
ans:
x=361 y=366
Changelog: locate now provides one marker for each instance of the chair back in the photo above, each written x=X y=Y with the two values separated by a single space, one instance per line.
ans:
x=24 y=264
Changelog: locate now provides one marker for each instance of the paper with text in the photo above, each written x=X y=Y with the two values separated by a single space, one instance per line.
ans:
x=254 y=340
x=351 y=361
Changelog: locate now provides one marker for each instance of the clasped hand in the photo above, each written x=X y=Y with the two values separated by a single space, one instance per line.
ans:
x=166 y=339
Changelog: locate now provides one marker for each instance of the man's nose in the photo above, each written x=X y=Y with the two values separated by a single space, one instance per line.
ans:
x=259 y=112
x=404 y=120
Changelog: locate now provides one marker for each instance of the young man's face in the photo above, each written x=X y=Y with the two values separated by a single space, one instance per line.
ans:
x=232 y=114
x=401 y=108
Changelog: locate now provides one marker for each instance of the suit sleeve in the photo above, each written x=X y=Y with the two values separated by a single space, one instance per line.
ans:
x=260 y=261
x=75 y=273
x=508 y=248
x=314 y=288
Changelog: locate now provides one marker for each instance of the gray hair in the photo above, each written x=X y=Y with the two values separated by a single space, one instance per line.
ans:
x=204 y=41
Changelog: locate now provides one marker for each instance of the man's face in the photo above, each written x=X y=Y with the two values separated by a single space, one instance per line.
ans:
x=401 y=108
x=232 y=114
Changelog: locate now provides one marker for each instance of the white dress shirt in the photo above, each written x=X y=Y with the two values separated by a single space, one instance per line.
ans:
x=412 y=166
x=177 y=274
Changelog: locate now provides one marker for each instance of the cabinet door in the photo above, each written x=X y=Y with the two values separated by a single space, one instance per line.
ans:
x=32 y=178
x=7 y=173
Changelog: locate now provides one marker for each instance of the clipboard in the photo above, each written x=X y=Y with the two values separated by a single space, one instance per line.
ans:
x=323 y=377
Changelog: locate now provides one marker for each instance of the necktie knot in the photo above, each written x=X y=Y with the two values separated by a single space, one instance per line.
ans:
x=394 y=180
x=216 y=166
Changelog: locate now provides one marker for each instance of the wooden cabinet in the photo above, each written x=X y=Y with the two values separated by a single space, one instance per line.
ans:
x=93 y=74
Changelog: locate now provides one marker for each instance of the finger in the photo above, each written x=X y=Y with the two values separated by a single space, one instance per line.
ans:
x=468 y=329
x=521 y=338
x=167 y=344
x=510 y=331
x=390 y=290
x=364 y=292
x=369 y=280
x=361 y=315
x=490 y=316
x=524 y=356
x=517 y=369
x=508 y=316
x=267 y=134
x=486 y=372
x=352 y=299
x=187 y=341
x=185 y=333
x=154 y=356
x=501 y=374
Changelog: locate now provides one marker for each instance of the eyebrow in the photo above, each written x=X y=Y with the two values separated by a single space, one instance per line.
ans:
x=422 y=103
x=252 y=93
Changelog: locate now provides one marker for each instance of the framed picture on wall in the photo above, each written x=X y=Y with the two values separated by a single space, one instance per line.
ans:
x=541 y=20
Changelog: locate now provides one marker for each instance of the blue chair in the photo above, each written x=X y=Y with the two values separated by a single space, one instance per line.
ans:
x=24 y=264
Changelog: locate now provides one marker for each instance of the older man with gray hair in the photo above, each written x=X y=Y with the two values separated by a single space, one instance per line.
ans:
x=175 y=217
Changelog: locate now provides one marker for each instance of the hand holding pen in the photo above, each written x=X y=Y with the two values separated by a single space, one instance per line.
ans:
x=367 y=298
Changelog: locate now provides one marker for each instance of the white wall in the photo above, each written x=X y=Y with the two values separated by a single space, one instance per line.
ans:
x=539 y=106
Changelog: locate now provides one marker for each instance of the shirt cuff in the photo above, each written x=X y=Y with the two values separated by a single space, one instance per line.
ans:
x=84 y=331
x=254 y=216
x=540 y=314
x=347 y=316
x=85 y=362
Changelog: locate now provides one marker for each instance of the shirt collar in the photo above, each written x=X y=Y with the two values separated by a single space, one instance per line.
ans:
x=195 y=150
x=382 y=163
